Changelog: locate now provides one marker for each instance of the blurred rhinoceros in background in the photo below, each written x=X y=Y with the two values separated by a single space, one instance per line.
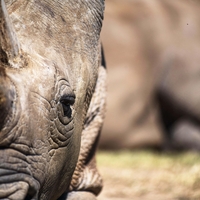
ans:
x=153 y=56
x=52 y=98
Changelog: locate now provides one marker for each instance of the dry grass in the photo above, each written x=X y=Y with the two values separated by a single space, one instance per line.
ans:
x=148 y=175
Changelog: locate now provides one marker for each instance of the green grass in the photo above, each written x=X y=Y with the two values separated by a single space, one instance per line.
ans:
x=147 y=159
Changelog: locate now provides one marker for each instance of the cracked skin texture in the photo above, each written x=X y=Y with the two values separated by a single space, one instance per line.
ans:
x=52 y=63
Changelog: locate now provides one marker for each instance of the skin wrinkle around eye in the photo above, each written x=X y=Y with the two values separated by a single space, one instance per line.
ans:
x=61 y=136
x=60 y=129
x=56 y=140
x=64 y=129
x=43 y=99
x=62 y=82
x=65 y=119
x=61 y=139
x=60 y=133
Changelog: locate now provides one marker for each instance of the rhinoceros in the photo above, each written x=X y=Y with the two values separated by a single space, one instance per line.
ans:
x=52 y=98
x=154 y=51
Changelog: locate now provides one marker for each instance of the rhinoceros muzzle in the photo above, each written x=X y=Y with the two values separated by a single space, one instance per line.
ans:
x=15 y=184
x=18 y=186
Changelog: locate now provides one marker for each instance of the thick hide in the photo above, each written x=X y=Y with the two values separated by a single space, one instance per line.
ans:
x=52 y=85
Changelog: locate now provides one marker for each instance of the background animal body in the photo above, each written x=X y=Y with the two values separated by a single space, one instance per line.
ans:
x=52 y=82
x=152 y=52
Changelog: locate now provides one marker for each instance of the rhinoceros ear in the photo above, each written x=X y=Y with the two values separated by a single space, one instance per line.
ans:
x=9 y=47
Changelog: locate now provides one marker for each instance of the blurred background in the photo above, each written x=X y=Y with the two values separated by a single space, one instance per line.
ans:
x=150 y=142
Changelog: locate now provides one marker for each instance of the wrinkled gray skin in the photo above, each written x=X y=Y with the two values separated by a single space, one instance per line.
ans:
x=51 y=98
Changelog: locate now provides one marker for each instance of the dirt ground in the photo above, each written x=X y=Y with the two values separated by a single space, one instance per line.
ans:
x=147 y=175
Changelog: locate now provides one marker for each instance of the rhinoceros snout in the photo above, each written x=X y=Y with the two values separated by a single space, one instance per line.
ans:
x=18 y=186
x=15 y=191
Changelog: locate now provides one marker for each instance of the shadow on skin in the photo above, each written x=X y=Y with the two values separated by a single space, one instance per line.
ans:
x=78 y=196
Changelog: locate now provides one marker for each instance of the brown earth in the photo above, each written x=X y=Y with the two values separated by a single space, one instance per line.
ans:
x=149 y=176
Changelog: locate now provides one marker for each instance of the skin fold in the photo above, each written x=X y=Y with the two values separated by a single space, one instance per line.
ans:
x=52 y=98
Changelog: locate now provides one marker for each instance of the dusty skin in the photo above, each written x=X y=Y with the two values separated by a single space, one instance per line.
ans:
x=52 y=98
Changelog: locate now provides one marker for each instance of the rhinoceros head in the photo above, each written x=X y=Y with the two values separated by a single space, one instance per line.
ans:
x=48 y=71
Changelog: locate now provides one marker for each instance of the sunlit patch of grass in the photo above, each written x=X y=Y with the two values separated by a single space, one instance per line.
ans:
x=149 y=174
x=147 y=159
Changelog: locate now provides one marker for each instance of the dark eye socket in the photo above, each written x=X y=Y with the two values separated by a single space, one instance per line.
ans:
x=66 y=102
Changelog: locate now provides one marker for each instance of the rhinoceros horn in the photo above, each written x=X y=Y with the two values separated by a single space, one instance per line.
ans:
x=9 y=46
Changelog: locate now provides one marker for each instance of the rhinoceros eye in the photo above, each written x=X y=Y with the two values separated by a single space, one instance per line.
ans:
x=67 y=102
